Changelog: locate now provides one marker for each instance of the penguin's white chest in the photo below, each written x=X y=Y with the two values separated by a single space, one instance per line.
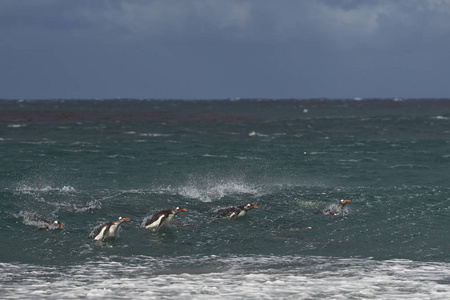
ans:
x=168 y=219
x=107 y=232
x=242 y=213
x=112 y=230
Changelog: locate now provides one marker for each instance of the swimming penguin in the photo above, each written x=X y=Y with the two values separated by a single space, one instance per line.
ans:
x=334 y=210
x=161 y=218
x=107 y=230
x=234 y=212
x=44 y=224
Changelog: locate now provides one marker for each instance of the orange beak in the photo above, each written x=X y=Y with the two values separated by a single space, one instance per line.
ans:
x=183 y=209
x=254 y=206
x=126 y=219
x=60 y=226
x=347 y=201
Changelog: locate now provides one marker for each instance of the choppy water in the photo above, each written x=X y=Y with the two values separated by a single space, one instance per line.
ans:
x=89 y=162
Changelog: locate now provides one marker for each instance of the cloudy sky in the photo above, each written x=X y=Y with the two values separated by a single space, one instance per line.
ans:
x=216 y=49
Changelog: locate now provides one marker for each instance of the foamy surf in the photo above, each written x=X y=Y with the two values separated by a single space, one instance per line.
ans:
x=239 y=277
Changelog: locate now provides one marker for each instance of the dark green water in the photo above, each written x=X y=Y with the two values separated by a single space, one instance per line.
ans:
x=89 y=162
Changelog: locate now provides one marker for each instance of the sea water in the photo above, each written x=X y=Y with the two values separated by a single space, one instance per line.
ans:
x=87 y=162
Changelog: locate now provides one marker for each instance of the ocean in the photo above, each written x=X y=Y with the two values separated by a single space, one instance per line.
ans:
x=87 y=162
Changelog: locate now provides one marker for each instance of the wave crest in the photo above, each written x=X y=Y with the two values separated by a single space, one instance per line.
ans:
x=23 y=188
x=210 y=191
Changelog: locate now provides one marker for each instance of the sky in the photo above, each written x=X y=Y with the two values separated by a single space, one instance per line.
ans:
x=221 y=49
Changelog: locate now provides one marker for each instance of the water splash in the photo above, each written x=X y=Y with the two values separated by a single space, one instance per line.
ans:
x=27 y=189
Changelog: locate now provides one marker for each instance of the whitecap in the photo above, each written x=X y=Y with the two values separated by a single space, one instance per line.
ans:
x=254 y=133
x=23 y=188
x=214 y=155
x=67 y=189
x=248 y=158
x=154 y=134
x=121 y=156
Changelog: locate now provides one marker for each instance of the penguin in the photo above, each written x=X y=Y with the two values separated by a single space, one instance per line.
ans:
x=334 y=210
x=161 y=218
x=107 y=230
x=44 y=224
x=234 y=212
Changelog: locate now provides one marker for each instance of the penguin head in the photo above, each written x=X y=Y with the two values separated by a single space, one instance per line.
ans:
x=249 y=206
x=343 y=202
x=178 y=209
x=57 y=224
x=123 y=219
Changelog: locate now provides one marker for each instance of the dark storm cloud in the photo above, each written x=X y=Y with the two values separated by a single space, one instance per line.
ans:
x=220 y=49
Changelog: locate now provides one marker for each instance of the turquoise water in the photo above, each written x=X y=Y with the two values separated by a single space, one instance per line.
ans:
x=90 y=161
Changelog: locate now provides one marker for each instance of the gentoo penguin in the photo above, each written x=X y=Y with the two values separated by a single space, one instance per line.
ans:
x=161 y=218
x=107 y=230
x=44 y=224
x=234 y=212
x=334 y=210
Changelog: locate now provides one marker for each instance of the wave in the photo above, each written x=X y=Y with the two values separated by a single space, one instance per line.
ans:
x=47 y=198
x=211 y=190
x=440 y=118
x=250 y=277
x=254 y=133
x=154 y=134
x=217 y=191
x=16 y=125
x=23 y=188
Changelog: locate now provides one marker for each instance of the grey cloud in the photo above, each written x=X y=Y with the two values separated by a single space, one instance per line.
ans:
x=241 y=21
x=201 y=48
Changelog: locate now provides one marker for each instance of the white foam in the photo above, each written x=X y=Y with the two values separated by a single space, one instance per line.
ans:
x=121 y=156
x=67 y=189
x=154 y=134
x=216 y=190
x=254 y=133
x=255 y=277
x=215 y=156
x=16 y=125
x=23 y=188
x=207 y=190
x=440 y=118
